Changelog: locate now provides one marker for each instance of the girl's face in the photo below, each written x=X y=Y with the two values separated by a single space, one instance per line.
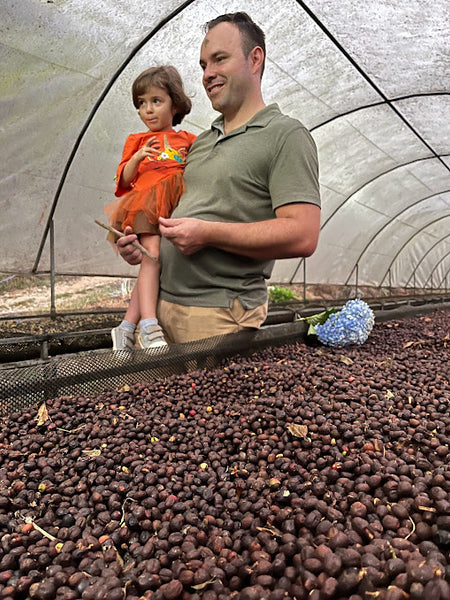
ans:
x=155 y=109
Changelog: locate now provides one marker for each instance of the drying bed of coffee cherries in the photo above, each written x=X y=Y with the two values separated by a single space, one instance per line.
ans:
x=299 y=472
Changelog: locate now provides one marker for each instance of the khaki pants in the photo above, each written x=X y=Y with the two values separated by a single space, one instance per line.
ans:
x=189 y=323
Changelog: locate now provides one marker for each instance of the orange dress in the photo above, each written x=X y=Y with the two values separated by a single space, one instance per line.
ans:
x=158 y=184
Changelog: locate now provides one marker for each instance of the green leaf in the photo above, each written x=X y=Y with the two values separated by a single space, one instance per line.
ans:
x=311 y=330
x=317 y=319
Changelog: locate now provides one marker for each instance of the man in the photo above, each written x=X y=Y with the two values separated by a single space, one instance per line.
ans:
x=252 y=196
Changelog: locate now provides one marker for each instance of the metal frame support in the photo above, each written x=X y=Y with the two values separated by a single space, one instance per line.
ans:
x=304 y=280
x=52 y=271
x=356 y=279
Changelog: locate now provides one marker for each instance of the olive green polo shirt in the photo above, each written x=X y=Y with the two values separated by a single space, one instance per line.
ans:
x=240 y=177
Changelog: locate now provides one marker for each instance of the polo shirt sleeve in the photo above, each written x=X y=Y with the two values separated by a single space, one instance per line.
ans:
x=294 y=171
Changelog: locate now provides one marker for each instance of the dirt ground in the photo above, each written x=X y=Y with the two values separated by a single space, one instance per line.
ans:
x=32 y=295
x=83 y=304
x=72 y=293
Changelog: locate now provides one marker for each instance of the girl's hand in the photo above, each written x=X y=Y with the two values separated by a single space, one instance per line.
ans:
x=150 y=150
x=130 y=171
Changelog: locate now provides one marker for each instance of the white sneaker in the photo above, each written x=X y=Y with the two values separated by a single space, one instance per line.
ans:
x=152 y=337
x=122 y=339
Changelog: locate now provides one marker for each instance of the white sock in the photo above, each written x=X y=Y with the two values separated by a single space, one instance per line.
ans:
x=147 y=323
x=128 y=326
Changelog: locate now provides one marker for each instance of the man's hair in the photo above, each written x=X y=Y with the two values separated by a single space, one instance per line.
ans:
x=251 y=34
x=168 y=79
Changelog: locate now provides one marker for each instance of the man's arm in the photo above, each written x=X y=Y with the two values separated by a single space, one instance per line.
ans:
x=293 y=233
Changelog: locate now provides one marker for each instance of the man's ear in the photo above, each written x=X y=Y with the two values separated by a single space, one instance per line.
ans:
x=256 y=58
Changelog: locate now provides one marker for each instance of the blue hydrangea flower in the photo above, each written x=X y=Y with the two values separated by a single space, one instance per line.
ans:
x=351 y=325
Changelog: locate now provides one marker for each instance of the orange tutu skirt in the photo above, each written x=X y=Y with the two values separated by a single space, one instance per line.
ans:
x=141 y=209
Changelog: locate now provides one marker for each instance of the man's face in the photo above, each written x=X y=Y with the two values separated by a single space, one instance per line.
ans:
x=226 y=71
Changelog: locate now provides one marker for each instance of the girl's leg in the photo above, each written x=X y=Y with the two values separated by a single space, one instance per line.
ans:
x=151 y=335
x=148 y=280
x=133 y=314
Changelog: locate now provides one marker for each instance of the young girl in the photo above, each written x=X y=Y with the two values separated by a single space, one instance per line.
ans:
x=149 y=184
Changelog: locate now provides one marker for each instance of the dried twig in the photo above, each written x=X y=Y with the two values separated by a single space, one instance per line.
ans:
x=391 y=549
x=42 y=531
x=72 y=430
x=130 y=499
x=119 y=234
x=413 y=529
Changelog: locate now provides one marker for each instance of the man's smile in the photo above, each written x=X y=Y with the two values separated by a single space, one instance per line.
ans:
x=214 y=87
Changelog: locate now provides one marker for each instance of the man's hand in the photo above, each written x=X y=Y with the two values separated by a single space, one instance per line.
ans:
x=129 y=253
x=188 y=235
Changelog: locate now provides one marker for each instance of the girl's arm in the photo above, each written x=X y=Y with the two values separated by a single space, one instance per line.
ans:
x=130 y=170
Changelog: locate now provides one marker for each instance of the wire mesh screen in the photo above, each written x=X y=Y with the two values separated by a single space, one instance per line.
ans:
x=91 y=373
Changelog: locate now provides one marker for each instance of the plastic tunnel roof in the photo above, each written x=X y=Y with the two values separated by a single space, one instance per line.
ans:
x=370 y=79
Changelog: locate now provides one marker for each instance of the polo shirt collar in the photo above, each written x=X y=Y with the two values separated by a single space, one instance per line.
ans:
x=261 y=119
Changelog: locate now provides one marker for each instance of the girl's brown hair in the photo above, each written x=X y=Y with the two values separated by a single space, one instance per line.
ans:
x=168 y=79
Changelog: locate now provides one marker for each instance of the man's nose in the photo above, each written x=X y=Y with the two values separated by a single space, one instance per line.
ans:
x=208 y=74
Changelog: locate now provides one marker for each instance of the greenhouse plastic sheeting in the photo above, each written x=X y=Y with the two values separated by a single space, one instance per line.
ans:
x=369 y=79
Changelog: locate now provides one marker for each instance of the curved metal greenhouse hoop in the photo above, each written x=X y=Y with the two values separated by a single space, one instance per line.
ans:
x=361 y=71
x=407 y=242
x=424 y=256
x=430 y=276
x=372 y=239
x=444 y=279
x=380 y=103
x=378 y=176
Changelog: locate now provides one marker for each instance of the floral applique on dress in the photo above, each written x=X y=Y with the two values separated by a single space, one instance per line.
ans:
x=171 y=154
